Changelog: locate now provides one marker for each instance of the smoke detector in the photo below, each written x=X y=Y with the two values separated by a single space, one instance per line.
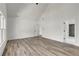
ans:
x=36 y=3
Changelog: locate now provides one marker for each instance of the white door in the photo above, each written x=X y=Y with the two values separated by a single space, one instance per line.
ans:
x=69 y=26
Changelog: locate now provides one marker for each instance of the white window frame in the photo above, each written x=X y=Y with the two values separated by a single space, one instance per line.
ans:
x=2 y=28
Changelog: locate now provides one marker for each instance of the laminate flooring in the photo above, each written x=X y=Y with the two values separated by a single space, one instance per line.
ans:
x=39 y=46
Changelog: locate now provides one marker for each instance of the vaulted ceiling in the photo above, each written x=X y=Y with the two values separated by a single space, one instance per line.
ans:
x=14 y=8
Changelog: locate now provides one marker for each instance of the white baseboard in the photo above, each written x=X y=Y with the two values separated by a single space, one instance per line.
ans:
x=20 y=37
x=72 y=43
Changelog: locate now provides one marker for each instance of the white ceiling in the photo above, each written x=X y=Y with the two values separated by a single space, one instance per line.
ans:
x=14 y=8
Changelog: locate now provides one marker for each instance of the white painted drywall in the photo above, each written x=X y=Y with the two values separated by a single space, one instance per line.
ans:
x=2 y=45
x=23 y=21
x=52 y=21
x=77 y=27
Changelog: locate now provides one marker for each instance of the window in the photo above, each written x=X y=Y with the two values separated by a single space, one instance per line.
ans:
x=72 y=30
x=2 y=28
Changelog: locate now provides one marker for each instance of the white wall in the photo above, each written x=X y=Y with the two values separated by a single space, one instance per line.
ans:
x=22 y=23
x=52 y=21
x=2 y=45
x=77 y=28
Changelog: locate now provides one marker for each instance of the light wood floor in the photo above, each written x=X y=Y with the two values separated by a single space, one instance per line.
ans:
x=38 y=46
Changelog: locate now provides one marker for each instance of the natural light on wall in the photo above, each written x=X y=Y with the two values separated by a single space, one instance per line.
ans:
x=2 y=28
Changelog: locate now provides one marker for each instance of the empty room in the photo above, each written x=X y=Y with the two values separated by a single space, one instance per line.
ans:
x=39 y=29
